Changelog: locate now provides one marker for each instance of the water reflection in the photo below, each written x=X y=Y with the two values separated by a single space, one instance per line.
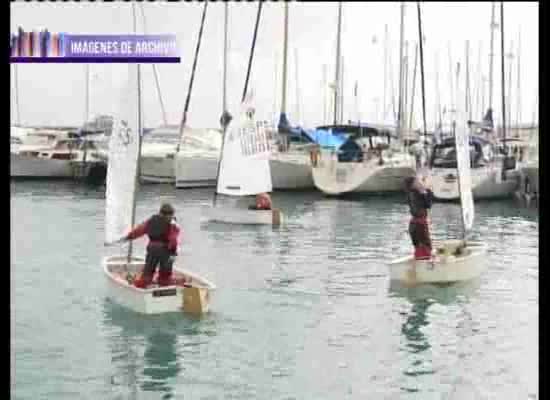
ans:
x=156 y=337
x=421 y=298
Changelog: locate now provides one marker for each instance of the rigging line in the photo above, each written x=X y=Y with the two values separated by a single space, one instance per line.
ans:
x=188 y=99
x=157 y=81
x=422 y=71
x=252 y=50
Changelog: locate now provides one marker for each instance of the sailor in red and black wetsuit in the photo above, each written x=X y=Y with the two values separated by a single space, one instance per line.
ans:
x=263 y=202
x=163 y=233
x=420 y=200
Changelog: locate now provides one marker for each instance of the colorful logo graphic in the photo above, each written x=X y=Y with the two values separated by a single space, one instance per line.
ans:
x=44 y=46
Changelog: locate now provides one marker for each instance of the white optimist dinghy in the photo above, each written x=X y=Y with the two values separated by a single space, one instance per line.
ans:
x=455 y=260
x=243 y=167
x=244 y=171
x=191 y=293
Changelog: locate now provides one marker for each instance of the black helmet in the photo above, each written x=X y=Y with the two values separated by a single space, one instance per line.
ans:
x=167 y=209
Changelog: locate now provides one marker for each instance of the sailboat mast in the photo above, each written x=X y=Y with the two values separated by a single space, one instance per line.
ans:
x=190 y=89
x=468 y=96
x=224 y=88
x=298 y=116
x=400 y=116
x=405 y=86
x=503 y=85
x=511 y=58
x=451 y=107
x=341 y=92
x=157 y=81
x=87 y=95
x=438 y=101
x=385 y=72
x=225 y=118
x=491 y=55
x=518 y=95
x=324 y=86
x=413 y=87
x=139 y=137
x=16 y=83
x=421 y=43
x=337 y=73
x=285 y=59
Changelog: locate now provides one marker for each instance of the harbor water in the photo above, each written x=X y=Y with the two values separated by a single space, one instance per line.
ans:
x=305 y=311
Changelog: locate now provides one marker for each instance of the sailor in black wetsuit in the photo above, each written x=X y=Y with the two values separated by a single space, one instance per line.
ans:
x=420 y=200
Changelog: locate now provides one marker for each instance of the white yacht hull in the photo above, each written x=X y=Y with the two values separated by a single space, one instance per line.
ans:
x=155 y=300
x=443 y=268
x=334 y=178
x=22 y=166
x=195 y=170
x=157 y=168
x=233 y=215
x=291 y=171
x=486 y=183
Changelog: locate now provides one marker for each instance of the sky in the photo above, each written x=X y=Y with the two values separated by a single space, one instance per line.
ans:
x=54 y=94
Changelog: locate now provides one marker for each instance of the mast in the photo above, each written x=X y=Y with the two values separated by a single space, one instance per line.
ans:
x=385 y=71
x=297 y=86
x=226 y=117
x=421 y=40
x=438 y=96
x=503 y=89
x=190 y=89
x=518 y=94
x=467 y=91
x=414 y=86
x=341 y=92
x=509 y=102
x=451 y=77
x=337 y=73
x=157 y=82
x=400 y=116
x=16 y=83
x=405 y=86
x=276 y=86
x=285 y=60
x=479 y=85
x=224 y=88
x=87 y=94
x=324 y=86
x=139 y=137
x=491 y=55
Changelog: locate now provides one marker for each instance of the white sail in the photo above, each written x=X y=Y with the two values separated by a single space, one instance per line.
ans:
x=462 y=145
x=244 y=168
x=123 y=162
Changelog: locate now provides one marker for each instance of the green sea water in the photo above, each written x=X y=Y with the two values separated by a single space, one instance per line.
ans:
x=305 y=311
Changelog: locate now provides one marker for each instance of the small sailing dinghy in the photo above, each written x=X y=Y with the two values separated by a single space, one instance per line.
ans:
x=455 y=260
x=244 y=171
x=244 y=165
x=191 y=293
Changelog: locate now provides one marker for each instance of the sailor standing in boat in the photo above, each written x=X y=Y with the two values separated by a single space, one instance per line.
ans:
x=420 y=199
x=163 y=233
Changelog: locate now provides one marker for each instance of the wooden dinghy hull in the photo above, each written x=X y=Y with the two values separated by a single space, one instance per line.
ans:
x=443 y=267
x=243 y=216
x=194 y=298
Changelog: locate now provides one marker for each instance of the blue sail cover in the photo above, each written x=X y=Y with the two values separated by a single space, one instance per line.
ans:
x=326 y=138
